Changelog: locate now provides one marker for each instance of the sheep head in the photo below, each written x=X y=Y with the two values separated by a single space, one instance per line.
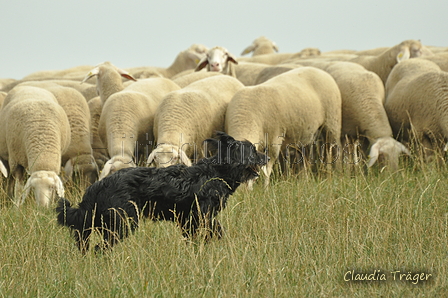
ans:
x=45 y=184
x=166 y=155
x=390 y=149
x=260 y=46
x=409 y=49
x=108 y=79
x=218 y=59
x=116 y=163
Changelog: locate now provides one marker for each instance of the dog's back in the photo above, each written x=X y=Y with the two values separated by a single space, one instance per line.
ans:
x=187 y=195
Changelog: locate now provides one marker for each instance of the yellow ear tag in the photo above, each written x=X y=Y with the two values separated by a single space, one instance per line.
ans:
x=400 y=55
x=196 y=61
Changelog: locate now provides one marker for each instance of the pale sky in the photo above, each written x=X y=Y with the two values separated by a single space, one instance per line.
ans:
x=58 y=34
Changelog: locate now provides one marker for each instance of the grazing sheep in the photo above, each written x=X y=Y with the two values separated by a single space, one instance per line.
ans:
x=185 y=118
x=127 y=119
x=416 y=101
x=98 y=149
x=78 y=158
x=383 y=63
x=187 y=59
x=220 y=60
x=34 y=133
x=108 y=79
x=363 y=113
x=261 y=46
x=287 y=110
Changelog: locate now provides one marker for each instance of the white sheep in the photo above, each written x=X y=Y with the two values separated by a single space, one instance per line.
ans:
x=218 y=59
x=126 y=121
x=78 y=159
x=383 y=63
x=185 y=60
x=34 y=133
x=416 y=101
x=185 y=118
x=99 y=151
x=287 y=110
x=108 y=79
x=261 y=46
x=363 y=113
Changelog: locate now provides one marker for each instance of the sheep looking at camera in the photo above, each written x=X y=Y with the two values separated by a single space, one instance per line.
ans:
x=220 y=60
x=34 y=134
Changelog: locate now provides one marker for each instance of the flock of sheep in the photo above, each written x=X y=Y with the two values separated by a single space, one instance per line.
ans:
x=90 y=121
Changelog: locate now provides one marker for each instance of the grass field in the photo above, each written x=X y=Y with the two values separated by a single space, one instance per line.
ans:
x=305 y=236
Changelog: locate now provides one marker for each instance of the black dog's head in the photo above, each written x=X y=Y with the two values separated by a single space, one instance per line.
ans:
x=237 y=154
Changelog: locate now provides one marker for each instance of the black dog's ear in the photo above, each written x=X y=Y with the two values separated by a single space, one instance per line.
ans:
x=223 y=137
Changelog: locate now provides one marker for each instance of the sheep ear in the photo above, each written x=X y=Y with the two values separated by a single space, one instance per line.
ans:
x=106 y=170
x=203 y=63
x=150 y=157
x=248 y=50
x=92 y=73
x=403 y=55
x=373 y=155
x=274 y=45
x=68 y=169
x=231 y=58
x=59 y=187
x=126 y=74
x=403 y=149
x=3 y=169
x=184 y=158
x=26 y=192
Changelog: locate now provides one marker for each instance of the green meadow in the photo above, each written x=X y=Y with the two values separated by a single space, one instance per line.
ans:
x=371 y=233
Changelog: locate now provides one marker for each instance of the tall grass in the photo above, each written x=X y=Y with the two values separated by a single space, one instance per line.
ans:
x=298 y=238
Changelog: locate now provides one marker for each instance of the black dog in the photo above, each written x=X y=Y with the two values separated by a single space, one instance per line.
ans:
x=189 y=196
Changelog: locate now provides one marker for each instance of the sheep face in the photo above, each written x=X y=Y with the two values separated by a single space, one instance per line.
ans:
x=217 y=59
x=115 y=164
x=166 y=155
x=390 y=149
x=45 y=185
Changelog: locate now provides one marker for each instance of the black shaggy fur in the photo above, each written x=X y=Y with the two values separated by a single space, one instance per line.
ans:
x=189 y=196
